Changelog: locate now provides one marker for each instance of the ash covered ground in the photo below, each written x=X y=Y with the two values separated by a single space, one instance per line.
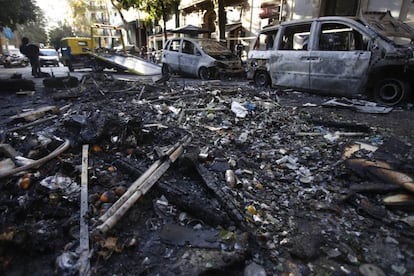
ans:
x=269 y=182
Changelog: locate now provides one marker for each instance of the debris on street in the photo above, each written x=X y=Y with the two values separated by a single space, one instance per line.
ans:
x=125 y=176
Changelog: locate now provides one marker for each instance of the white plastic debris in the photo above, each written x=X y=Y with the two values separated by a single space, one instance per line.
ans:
x=239 y=110
x=61 y=183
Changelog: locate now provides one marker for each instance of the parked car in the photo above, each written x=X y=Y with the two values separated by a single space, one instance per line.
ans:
x=346 y=56
x=203 y=58
x=48 y=57
x=13 y=58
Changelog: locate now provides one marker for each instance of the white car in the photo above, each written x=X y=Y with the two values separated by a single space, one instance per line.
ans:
x=48 y=57
x=203 y=58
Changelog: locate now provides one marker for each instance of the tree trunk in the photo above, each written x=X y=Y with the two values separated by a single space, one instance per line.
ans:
x=164 y=19
x=222 y=20
x=123 y=20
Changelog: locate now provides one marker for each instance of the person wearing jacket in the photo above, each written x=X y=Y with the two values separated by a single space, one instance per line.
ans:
x=31 y=51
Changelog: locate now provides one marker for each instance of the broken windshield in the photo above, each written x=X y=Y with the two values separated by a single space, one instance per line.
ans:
x=212 y=46
x=390 y=27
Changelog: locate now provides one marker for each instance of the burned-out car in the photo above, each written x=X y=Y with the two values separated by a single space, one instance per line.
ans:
x=203 y=58
x=14 y=58
x=371 y=55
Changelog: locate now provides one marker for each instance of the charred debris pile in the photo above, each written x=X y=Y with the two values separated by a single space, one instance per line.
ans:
x=132 y=177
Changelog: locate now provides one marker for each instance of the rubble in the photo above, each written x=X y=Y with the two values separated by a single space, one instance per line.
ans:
x=259 y=188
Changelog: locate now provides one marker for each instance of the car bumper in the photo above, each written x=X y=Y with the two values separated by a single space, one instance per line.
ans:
x=230 y=71
x=49 y=62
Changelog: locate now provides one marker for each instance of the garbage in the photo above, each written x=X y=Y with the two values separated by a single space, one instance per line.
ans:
x=239 y=109
x=241 y=192
x=399 y=200
x=358 y=105
x=62 y=184
x=183 y=236
x=36 y=163
x=137 y=189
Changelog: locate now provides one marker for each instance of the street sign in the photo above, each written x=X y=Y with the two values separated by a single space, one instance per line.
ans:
x=8 y=33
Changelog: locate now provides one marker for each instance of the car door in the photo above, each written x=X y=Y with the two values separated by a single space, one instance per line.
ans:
x=289 y=62
x=340 y=58
x=188 y=57
x=171 y=54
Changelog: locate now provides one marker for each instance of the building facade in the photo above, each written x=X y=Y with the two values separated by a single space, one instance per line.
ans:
x=245 y=18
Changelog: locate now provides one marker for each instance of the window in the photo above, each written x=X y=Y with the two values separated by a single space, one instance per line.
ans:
x=188 y=47
x=265 y=40
x=339 y=7
x=174 y=45
x=340 y=37
x=295 y=37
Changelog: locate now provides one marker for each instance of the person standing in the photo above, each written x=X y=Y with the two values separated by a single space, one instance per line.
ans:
x=31 y=51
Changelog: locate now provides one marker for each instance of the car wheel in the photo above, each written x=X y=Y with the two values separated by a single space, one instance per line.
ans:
x=391 y=91
x=261 y=78
x=165 y=69
x=205 y=73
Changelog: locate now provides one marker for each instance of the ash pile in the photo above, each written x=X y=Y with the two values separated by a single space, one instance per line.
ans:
x=118 y=176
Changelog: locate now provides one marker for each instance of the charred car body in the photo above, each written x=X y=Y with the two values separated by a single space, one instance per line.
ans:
x=371 y=55
x=13 y=58
x=203 y=58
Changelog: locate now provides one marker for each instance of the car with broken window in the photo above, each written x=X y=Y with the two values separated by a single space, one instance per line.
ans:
x=366 y=56
x=203 y=58
x=259 y=56
x=14 y=58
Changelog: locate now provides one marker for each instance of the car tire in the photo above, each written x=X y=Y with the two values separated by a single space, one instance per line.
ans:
x=165 y=69
x=206 y=73
x=391 y=91
x=261 y=78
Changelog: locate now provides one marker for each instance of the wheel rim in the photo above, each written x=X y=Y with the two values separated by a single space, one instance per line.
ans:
x=261 y=79
x=391 y=92
x=205 y=74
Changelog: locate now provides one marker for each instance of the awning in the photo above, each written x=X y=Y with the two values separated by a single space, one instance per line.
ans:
x=190 y=30
x=232 y=27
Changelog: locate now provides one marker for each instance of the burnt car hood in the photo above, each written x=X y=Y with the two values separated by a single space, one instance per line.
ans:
x=386 y=25
x=224 y=56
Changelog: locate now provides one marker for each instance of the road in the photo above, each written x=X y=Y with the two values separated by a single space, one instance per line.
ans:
x=59 y=72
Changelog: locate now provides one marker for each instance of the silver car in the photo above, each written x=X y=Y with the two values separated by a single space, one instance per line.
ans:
x=203 y=58
x=48 y=57
x=371 y=56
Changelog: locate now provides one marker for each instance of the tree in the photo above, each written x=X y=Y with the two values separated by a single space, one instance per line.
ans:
x=80 y=19
x=56 y=34
x=15 y=12
x=34 y=30
x=156 y=10
x=118 y=7
x=221 y=20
